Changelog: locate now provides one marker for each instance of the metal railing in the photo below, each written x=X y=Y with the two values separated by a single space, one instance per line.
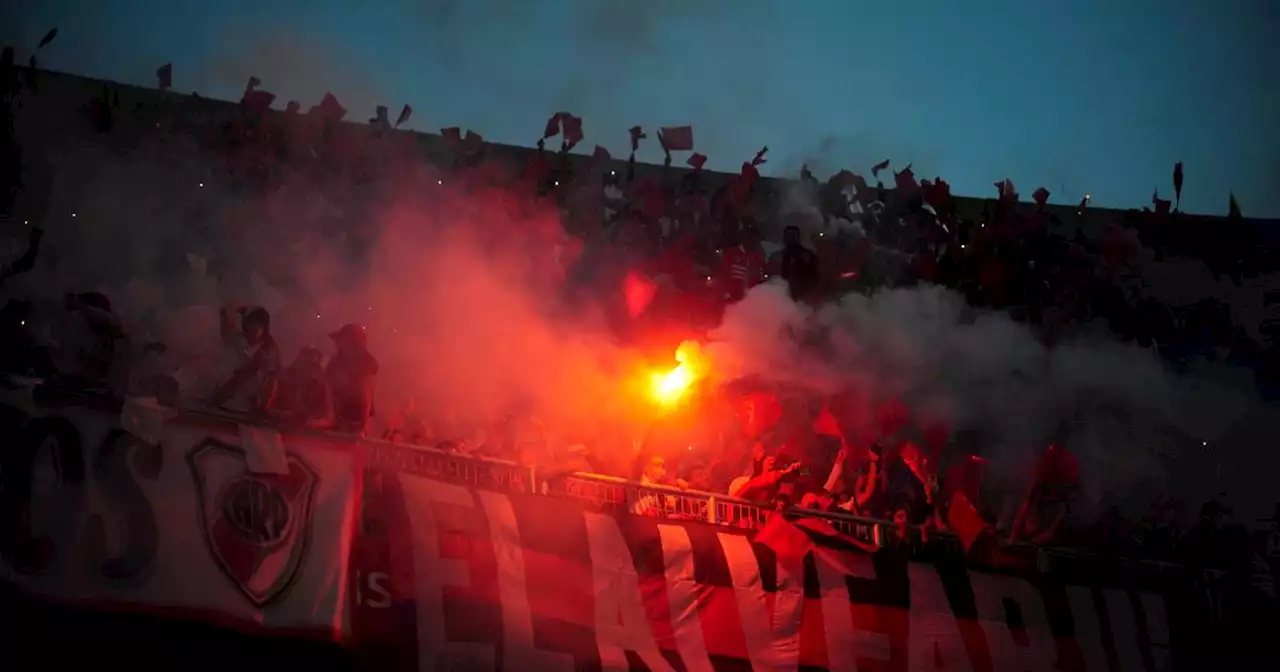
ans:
x=478 y=472
x=603 y=492
x=619 y=494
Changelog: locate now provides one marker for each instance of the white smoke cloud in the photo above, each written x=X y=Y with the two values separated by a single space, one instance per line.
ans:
x=1128 y=414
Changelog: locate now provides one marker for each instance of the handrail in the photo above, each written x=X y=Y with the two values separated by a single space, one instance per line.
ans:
x=529 y=479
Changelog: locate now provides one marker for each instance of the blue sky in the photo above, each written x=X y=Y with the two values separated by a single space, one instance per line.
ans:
x=1079 y=96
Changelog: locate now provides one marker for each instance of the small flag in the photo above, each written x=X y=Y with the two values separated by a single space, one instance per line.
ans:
x=938 y=194
x=553 y=126
x=572 y=131
x=637 y=134
x=697 y=161
x=1177 y=181
x=48 y=37
x=827 y=425
x=676 y=138
x=329 y=108
x=965 y=520
x=405 y=113
x=164 y=76
x=905 y=181
x=1161 y=205
x=875 y=170
x=758 y=412
x=1005 y=190
x=760 y=160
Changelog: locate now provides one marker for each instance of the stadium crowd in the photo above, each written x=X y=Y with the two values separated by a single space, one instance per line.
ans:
x=698 y=242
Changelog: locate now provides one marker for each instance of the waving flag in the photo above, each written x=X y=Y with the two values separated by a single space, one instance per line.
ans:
x=572 y=129
x=552 y=128
x=405 y=113
x=825 y=424
x=963 y=519
x=164 y=77
x=329 y=108
x=905 y=181
x=48 y=38
x=875 y=170
x=758 y=412
x=1177 y=182
x=1160 y=205
x=676 y=138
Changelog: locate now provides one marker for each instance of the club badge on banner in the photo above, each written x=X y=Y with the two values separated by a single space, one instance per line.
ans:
x=202 y=518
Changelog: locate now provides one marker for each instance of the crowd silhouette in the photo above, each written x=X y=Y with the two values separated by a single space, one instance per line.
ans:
x=695 y=242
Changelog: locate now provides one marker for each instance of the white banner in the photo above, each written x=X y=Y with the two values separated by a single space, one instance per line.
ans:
x=192 y=526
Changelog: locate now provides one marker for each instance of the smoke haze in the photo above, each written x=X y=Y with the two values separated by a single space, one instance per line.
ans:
x=467 y=311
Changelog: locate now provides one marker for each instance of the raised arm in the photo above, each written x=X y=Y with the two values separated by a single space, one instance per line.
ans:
x=863 y=495
x=837 y=471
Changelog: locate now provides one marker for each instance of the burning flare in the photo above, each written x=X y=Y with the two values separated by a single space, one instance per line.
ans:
x=670 y=387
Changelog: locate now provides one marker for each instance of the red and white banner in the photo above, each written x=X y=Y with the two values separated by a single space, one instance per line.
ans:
x=205 y=519
x=238 y=524
x=448 y=577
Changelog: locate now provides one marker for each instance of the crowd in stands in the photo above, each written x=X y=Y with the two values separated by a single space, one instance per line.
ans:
x=704 y=241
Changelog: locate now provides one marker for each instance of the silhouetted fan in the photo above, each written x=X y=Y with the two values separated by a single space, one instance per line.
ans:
x=10 y=152
x=101 y=112
x=380 y=119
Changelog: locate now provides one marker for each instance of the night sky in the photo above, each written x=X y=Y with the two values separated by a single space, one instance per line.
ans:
x=1080 y=96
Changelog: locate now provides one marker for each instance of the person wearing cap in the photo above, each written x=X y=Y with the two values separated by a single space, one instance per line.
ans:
x=252 y=387
x=349 y=378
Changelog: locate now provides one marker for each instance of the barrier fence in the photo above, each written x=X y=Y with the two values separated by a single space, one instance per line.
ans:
x=203 y=524
x=619 y=495
x=602 y=492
